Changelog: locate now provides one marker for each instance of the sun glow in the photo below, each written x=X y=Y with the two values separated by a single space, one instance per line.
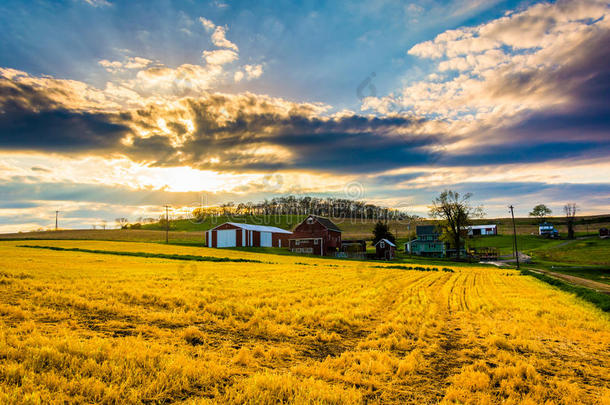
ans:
x=184 y=179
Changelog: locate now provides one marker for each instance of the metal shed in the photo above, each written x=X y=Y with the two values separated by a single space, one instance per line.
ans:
x=233 y=234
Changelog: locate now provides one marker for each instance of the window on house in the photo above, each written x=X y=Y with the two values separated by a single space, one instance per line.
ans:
x=315 y=242
x=382 y=245
x=298 y=242
x=310 y=221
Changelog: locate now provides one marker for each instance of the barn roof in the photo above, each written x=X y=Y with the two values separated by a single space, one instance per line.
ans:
x=327 y=223
x=386 y=241
x=482 y=226
x=251 y=227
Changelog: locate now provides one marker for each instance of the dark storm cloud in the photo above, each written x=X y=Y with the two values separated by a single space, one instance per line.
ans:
x=30 y=120
x=396 y=178
x=19 y=192
x=534 y=152
x=580 y=128
x=584 y=79
x=348 y=144
x=524 y=195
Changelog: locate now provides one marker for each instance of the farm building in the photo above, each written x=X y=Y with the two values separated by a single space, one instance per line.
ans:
x=232 y=234
x=604 y=233
x=353 y=249
x=316 y=235
x=384 y=249
x=482 y=230
x=548 y=230
x=429 y=244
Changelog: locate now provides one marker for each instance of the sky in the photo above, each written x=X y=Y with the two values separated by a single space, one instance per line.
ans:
x=112 y=108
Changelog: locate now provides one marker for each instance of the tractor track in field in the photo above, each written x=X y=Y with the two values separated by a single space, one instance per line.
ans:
x=446 y=361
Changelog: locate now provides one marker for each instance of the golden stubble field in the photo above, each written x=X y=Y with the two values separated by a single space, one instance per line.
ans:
x=84 y=327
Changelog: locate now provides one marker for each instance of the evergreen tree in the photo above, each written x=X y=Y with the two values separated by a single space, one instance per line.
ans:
x=382 y=231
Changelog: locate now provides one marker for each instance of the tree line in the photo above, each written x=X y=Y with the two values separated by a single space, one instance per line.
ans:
x=293 y=205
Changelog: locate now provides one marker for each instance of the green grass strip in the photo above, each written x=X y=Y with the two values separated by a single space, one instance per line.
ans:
x=148 y=255
x=598 y=299
x=418 y=268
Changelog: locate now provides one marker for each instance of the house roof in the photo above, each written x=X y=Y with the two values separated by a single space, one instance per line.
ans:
x=482 y=226
x=259 y=228
x=327 y=223
x=386 y=241
x=426 y=230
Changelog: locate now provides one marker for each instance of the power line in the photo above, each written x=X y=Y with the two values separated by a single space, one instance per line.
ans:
x=166 y=223
x=512 y=214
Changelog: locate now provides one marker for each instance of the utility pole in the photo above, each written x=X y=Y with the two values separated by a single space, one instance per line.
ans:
x=512 y=214
x=166 y=223
x=56 y=215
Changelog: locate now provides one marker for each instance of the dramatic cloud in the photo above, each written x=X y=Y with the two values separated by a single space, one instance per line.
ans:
x=154 y=82
x=45 y=92
x=517 y=105
x=535 y=82
x=183 y=80
x=213 y=131
x=256 y=133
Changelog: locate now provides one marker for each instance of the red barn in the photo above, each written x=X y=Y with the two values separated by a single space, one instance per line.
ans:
x=232 y=234
x=316 y=235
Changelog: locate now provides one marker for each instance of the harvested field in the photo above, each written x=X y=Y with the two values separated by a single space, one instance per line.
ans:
x=87 y=326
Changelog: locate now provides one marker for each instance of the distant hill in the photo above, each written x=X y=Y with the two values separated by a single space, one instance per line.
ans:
x=362 y=228
x=184 y=230
x=352 y=228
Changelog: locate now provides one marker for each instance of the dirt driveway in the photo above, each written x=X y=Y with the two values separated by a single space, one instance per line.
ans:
x=594 y=285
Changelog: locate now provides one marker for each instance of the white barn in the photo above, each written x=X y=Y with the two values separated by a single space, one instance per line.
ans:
x=482 y=230
x=233 y=234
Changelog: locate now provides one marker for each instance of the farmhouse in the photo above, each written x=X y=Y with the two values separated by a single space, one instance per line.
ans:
x=482 y=230
x=232 y=234
x=384 y=249
x=316 y=235
x=427 y=243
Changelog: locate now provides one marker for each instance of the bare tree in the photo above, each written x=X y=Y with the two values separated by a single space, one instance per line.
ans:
x=121 y=222
x=455 y=213
x=570 y=210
